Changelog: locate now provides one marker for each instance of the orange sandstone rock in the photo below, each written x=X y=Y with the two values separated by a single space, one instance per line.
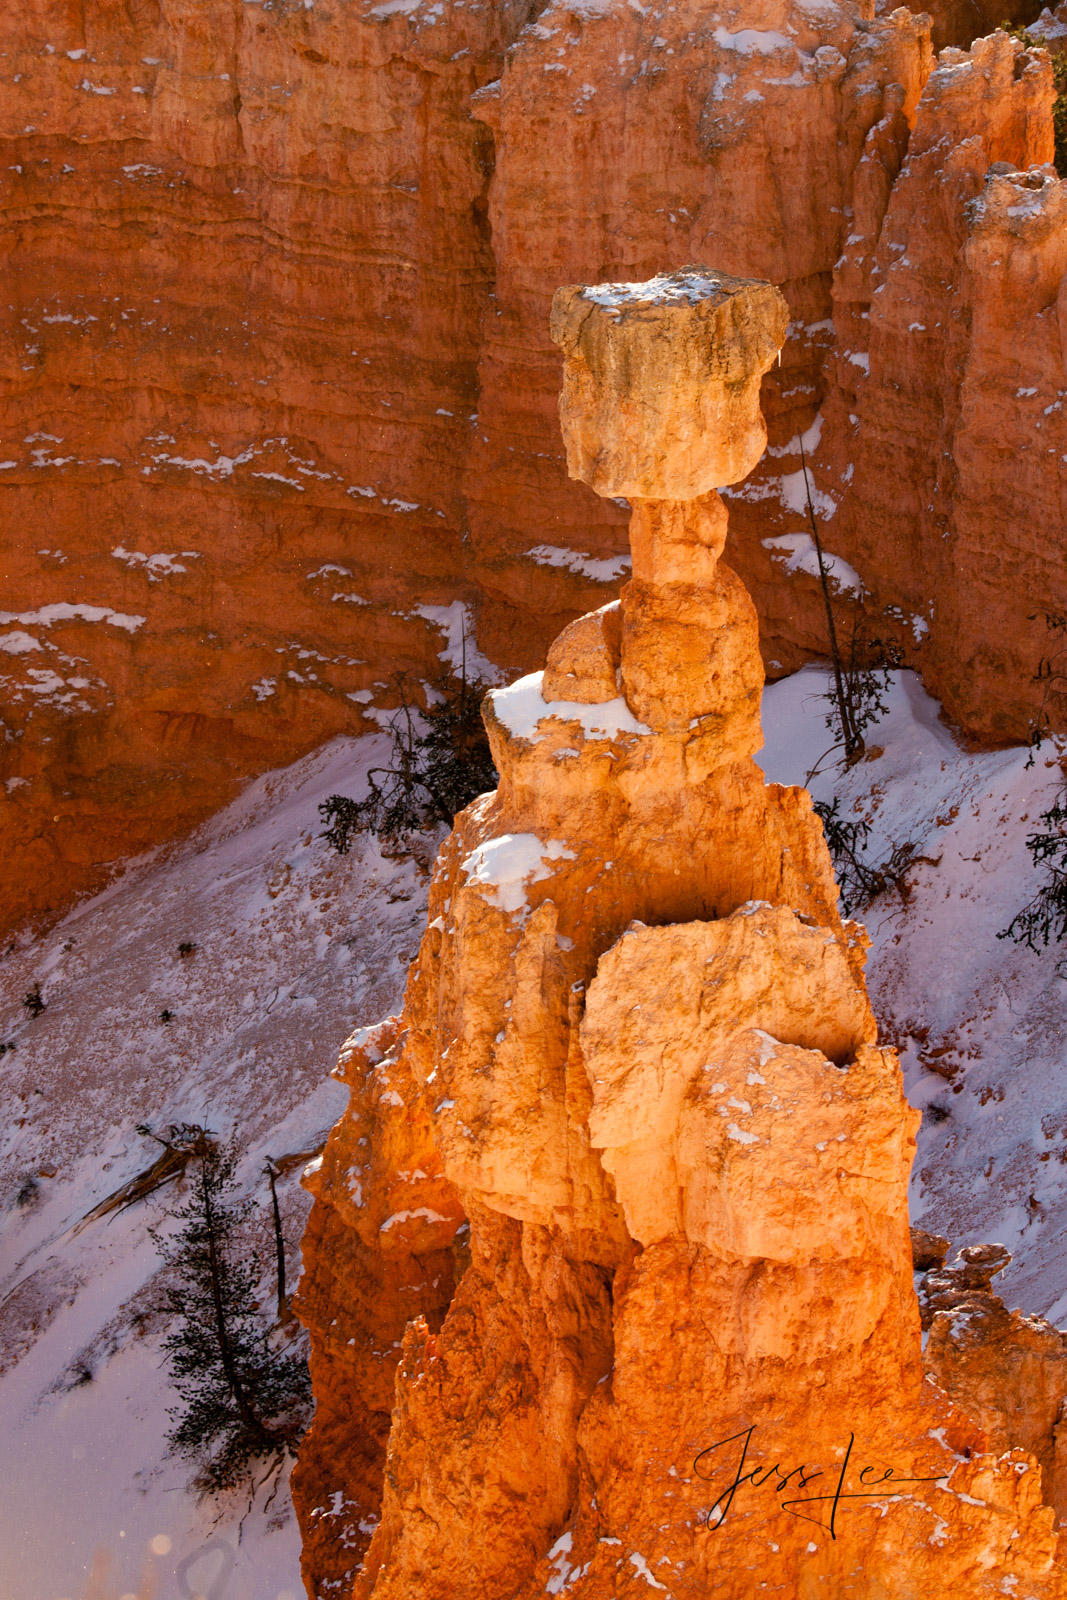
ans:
x=1007 y=1370
x=686 y=1352
x=245 y=261
x=949 y=380
x=583 y=662
x=387 y=1236
x=625 y=142
x=661 y=381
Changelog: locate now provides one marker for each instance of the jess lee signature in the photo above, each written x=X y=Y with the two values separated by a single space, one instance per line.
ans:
x=778 y=1479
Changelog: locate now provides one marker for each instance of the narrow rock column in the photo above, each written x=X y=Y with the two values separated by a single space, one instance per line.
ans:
x=660 y=405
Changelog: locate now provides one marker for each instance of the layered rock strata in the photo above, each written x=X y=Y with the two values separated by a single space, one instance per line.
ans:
x=950 y=386
x=637 y=1055
x=277 y=399
x=245 y=260
x=626 y=139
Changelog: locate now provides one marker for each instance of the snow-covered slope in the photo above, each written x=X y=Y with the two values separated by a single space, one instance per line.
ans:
x=990 y=1016
x=294 y=945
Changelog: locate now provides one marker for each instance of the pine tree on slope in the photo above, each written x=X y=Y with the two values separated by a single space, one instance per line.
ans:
x=241 y=1400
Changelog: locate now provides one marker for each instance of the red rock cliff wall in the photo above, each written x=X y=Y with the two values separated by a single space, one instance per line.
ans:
x=627 y=142
x=274 y=375
x=951 y=384
x=244 y=257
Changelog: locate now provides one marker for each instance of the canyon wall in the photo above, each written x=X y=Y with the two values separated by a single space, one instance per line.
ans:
x=636 y=1092
x=951 y=384
x=245 y=259
x=277 y=401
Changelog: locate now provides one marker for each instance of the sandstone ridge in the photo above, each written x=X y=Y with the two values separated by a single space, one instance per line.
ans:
x=637 y=1056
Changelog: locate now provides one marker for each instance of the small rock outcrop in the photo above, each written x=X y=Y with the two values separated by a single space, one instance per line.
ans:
x=637 y=1057
x=1005 y=1369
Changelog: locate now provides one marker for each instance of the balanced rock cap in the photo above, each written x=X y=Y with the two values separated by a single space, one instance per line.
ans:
x=660 y=396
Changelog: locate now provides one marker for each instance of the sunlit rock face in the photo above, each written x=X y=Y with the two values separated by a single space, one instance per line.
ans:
x=277 y=391
x=636 y=1051
x=661 y=381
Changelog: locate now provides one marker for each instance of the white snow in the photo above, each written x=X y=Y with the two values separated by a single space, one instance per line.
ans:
x=602 y=569
x=1047 y=26
x=329 y=566
x=295 y=944
x=797 y=553
x=523 y=710
x=994 y=1168
x=753 y=41
x=405 y=1216
x=505 y=865
x=460 y=651
x=675 y=288
x=812 y=435
x=18 y=643
x=793 y=492
x=156 y=566
x=63 y=611
x=566 y=1573
x=637 y=1560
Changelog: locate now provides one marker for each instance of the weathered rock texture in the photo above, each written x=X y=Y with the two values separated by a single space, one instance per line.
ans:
x=951 y=377
x=637 y=1051
x=245 y=260
x=276 y=387
x=1006 y=1370
x=624 y=140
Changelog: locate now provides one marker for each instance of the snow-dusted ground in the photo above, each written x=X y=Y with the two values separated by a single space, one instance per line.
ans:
x=295 y=944
x=993 y=1144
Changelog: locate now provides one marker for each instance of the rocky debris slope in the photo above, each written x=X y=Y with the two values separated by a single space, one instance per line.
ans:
x=277 y=402
x=685 y=1351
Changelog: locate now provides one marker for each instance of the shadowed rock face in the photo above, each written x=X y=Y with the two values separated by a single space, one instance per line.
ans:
x=238 y=348
x=636 y=1052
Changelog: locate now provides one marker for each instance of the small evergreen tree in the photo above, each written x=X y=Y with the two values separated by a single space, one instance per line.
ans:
x=1045 y=917
x=241 y=1399
x=858 y=880
x=861 y=667
x=846 y=842
x=441 y=762
x=865 y=667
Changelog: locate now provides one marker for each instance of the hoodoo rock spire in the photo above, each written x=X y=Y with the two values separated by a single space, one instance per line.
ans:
x=637 y=1061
